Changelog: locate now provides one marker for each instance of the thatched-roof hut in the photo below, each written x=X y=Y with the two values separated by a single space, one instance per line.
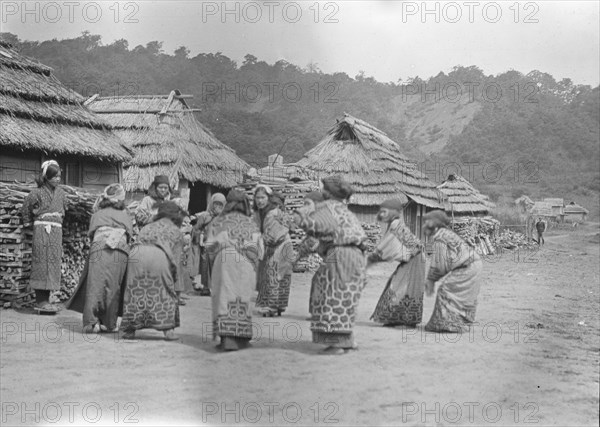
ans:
x=463 y=198
x=167 y=140
x=375 y=167
x=40 y=119
x=575 y=212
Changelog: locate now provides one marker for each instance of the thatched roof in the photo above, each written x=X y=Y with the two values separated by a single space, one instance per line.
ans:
x=38 y=113
x=574 y=208
x=463 y=198
x=372 y=163
x=168 y=140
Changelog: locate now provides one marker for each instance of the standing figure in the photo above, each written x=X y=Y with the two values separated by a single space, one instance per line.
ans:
x=45 y=208
x=99 y=293
x=311 y=244
x=160 y=191
x=401 y=302
x=456 y=267
x=274 y=276
x=339 y=281
x=233 y=247
x=199 y=232
x=149 y=299
x=540 y=227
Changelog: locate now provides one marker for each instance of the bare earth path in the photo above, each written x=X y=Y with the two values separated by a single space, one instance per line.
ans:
x=531 y=359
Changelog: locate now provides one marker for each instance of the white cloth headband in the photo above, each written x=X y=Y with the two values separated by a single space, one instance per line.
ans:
x=46 y=164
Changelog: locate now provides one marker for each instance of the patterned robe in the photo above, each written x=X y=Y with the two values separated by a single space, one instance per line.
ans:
x=45 y=208
x=149 y=299
x=233 y=248
x=456 y=267
x=401 y=302
x=339 y=281
x=275 y=270
x=98 y=295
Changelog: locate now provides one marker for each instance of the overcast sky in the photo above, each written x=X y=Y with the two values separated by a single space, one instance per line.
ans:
x=388 y=40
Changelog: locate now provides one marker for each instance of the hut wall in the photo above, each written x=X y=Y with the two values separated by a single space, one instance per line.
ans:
x=97 y=175
x=18 y=165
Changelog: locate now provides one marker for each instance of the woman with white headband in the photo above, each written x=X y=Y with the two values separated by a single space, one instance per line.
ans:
x=44 y=209
x=98 y=295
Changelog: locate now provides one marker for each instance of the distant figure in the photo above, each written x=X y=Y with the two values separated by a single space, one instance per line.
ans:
x=540 y=226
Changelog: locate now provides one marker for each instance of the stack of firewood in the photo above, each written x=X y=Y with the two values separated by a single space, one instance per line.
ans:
x=15 y=246
x=481 y=233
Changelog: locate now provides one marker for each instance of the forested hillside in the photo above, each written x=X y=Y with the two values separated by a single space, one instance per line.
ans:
x=542 y=135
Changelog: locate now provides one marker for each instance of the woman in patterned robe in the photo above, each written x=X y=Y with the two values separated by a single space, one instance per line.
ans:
x=401 y=302
x=274 y=276
x=339 y=281
x=456 y=268
x=160 y=191
x=149 y=299
x=233 y=247
x=98 y=295
x=310 y=244
x=45 y=208
x=200 y=257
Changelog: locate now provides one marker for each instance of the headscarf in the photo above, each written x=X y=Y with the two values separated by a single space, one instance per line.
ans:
x=337 y=186
x=161 y=179
x=216 y=198
x=439 y=218
x=237 y=201
x=113 y=193
x=46 y=164
x=158 y=180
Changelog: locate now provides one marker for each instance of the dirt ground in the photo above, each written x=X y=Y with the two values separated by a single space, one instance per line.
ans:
x=533 y=358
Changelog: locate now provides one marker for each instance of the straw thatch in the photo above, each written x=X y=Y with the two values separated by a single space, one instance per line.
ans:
x=372 y=163
x=167 y=140
x=463 y=198
x=574 y=208
x=38 y=113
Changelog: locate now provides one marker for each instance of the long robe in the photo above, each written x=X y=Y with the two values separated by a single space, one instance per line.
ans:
x=45 y=208
x=401 y=302
x=99 y=293
x=233 y=247
x=456 y=267
x=340 y=279
x=149 y=299
x=200 y=261
x=144 y=215
x=274 y=276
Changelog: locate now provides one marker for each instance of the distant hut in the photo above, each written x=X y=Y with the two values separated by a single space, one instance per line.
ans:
x=376 y=168
x=42 y=119
x=167 y=140
x=575 y=213
x=463 y=198
x=558 y=208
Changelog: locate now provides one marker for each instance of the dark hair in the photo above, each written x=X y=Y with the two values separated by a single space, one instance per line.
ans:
x=264 y=190
x=337 y=187
x=172 y=211
x=51 y=172
x=105 y=203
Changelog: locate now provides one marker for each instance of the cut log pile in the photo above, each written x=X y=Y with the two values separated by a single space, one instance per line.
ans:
x=15 y=248
x=481 y=233
x=509 y=239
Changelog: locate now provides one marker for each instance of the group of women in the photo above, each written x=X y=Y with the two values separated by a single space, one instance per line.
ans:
x=243 y=250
